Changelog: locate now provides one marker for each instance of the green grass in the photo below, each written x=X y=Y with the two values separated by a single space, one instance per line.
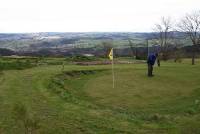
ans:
x=81 y=99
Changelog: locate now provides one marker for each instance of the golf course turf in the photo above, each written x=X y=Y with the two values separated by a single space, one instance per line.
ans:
x=80 y=99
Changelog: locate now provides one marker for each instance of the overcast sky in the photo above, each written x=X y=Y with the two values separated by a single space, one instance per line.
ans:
x=89 y=15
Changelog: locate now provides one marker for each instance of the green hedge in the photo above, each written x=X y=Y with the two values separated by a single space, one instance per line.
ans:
x=16 y=65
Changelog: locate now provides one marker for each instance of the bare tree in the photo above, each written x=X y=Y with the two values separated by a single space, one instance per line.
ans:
x=177 y=54
x=190 y=24
x=107 y=45
x=163 y=35
x=133 y=49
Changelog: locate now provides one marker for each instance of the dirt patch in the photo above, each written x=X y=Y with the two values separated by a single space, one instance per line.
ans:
x=107 y=62
x=74 y=73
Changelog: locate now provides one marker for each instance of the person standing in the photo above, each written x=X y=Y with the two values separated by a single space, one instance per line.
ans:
x=151 y=61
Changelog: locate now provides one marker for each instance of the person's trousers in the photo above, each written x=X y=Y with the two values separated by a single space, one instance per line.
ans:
x=150 y=70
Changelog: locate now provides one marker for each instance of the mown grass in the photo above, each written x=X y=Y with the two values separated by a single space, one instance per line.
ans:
x=81 y=99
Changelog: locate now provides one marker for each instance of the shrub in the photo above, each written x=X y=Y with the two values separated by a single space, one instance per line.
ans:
x=19 y=65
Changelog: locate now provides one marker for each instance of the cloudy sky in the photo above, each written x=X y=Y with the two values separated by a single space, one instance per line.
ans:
x=89 y=15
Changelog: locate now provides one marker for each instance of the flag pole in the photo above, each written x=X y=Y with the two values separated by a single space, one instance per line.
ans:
x=113 y=72
x=111 y=57
x=147 y=47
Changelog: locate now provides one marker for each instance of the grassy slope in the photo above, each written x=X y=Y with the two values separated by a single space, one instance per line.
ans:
x=167 y=103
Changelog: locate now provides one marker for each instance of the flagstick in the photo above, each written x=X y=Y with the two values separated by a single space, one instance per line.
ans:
x=113 y=73
x=111 y=57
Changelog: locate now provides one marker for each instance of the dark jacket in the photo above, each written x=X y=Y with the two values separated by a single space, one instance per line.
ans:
x=151 y=59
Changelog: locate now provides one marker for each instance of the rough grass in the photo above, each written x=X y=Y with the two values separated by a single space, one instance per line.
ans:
x=83 y=100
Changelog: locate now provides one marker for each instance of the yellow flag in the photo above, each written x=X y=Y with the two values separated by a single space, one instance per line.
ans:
x=111 y=54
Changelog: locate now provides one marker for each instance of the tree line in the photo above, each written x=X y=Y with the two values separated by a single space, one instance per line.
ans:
x=189 y=25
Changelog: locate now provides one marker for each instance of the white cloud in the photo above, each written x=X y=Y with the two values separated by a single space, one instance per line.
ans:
x=88 y=15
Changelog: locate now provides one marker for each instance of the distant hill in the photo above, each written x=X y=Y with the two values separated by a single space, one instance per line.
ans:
x=48 y=41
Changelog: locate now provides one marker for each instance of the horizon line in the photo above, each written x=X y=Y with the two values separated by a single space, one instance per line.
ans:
x=81 y=32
